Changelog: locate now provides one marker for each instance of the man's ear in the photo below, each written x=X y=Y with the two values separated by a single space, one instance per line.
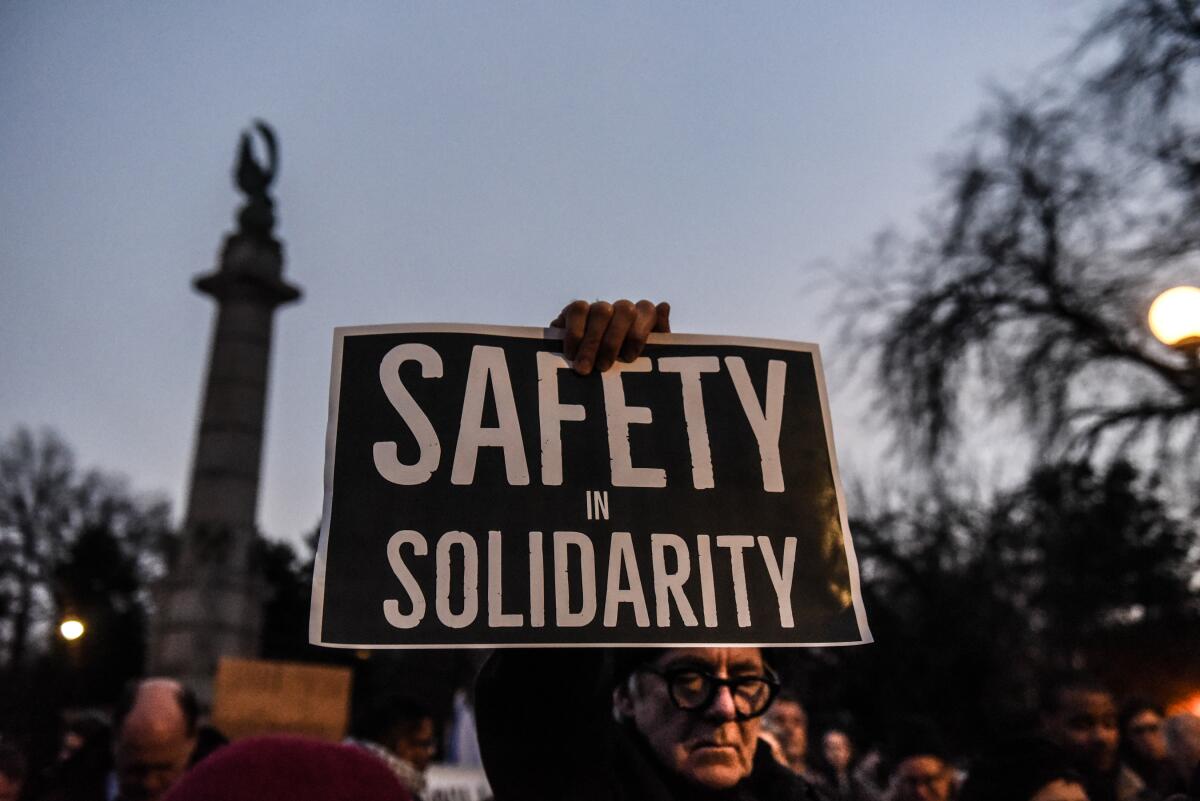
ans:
x=622 y=700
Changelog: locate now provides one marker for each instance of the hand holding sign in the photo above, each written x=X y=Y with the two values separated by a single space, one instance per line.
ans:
x=596 y=334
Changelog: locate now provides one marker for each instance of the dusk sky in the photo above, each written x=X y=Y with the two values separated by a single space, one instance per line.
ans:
x=457 y=162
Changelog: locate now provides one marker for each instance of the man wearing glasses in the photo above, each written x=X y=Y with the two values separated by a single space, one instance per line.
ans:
x=699 y=710
x=638 y=723
x=628 y=724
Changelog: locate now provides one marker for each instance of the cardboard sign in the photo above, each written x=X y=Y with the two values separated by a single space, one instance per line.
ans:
x=256 y=696
x=480 y=493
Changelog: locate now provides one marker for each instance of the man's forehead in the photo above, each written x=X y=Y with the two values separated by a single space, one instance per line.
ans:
x=711 y=658
x=150 y=731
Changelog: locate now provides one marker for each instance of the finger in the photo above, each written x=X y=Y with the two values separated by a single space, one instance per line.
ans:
x=623 y=315
x=598 y=317
x=662 y=324
x=574 y=321
x=645 y=319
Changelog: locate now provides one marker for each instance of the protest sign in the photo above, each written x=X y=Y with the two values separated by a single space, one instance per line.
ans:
x=259 y=696
x=479 y=493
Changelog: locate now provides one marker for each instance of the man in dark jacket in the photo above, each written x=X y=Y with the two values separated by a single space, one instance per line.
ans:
x=655 y=724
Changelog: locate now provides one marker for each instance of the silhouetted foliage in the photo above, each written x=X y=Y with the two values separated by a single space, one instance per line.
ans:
x=102 y=582
x=969 y=602
x=287 y=575
x=68 y=540
x=285 y=606
x=1062 y=216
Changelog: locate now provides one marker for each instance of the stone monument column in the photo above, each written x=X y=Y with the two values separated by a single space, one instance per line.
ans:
x=209 y=605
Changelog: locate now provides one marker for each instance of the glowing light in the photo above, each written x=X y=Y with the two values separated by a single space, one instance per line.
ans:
x=1175 y=316
x=1189 y=705
x=71 y=629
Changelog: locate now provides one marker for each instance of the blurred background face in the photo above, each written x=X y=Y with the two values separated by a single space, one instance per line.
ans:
x=416 y=747
x=1183 y=743
x=922 y=778
x=1085 y=725
x=789 y=724
x=148 y=763
x=836 y=749
x=1145 y=736
x=72 y=741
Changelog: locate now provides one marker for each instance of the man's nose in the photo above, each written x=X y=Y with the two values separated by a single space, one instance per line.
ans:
x=722 y=706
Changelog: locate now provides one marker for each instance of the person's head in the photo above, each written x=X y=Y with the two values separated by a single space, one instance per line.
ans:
x=1024 y=770
x=83 y=733
x=922 y=777
x=1183 y=743
x=788 y=721
x=837 y=750
x=404 y=727
x=156 y=733
x=85 y=756
x=289 y=768
x=919 y=769
x=1079 y=715
x=1142 y=732
x=12 y=772
x=698 y=709
x=918 y=765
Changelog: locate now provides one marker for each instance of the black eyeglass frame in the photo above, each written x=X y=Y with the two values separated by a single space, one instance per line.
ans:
x=715 y=683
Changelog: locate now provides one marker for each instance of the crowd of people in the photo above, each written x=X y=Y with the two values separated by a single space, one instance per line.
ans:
x=1085 y=746
x=152 y=744
x=665 y=724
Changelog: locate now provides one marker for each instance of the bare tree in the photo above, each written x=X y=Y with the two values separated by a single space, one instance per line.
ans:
x=1155 y=44
x=1059 y=223
x=37 y=477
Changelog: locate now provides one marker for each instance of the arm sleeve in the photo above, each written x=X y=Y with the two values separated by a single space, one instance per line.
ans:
x=545 y=723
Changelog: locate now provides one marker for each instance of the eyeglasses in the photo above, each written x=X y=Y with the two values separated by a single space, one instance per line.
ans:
x=692 y=689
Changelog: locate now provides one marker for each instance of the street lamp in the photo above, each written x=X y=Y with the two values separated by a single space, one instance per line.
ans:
x=1175 y=319
x=71 y=629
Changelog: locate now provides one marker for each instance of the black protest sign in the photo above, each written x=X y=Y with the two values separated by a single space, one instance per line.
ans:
x=480 y=493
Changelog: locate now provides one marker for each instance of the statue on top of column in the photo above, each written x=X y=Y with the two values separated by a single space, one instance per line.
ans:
x=257 y=217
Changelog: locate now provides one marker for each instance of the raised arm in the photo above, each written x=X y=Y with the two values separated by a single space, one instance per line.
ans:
x=542 y=713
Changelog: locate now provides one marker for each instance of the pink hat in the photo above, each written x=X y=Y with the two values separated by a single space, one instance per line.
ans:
x=289 y=768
